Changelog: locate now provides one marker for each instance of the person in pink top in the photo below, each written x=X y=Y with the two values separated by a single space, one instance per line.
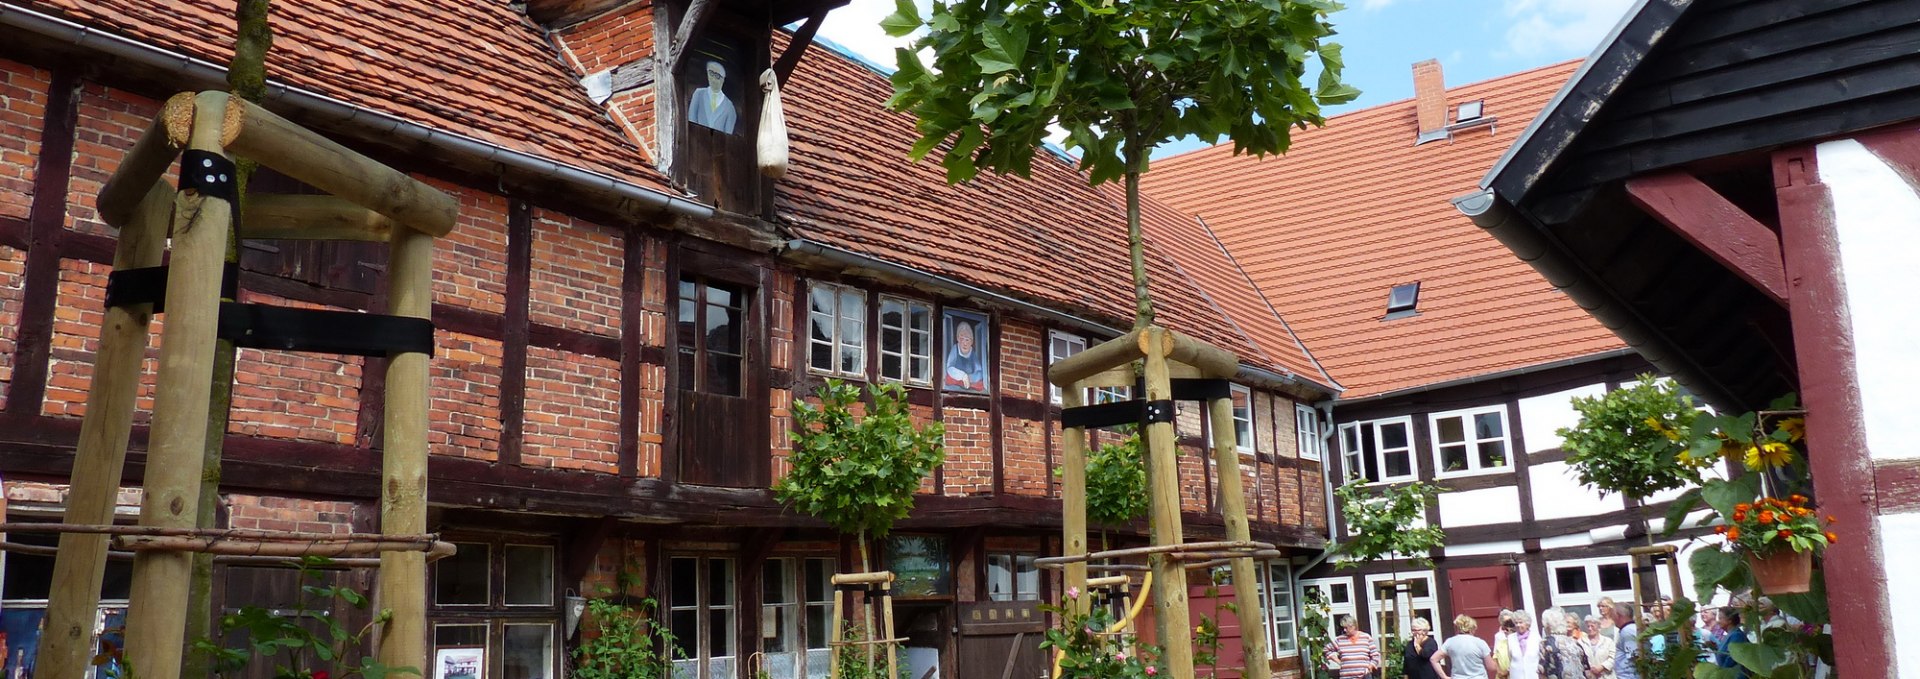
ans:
x=1353 y=654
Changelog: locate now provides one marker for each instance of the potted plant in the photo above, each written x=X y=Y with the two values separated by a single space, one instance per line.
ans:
x=1779 y=537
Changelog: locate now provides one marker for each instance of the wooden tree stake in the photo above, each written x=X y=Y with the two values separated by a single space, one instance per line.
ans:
x=66 y=645
x=156 y=618
x=1073 y=497
x=1233 y=508
x=403 y=495
x=1170 y=599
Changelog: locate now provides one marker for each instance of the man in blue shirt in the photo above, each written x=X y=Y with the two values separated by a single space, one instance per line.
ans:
x=1626 y=643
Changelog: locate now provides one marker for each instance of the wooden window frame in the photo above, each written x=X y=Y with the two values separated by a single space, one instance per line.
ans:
x=1282 y=630
x=699 y=652
x=838 y=343
x=1054 y=338
x=906 y=332
x=1308 y=442
x=1430 y=602
x=1013 y=557
x=1369 y=431
x=1471 y=441
x=496 y=615
x=802 y=607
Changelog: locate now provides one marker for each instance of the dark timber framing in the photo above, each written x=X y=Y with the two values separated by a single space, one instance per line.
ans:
x=47 y=237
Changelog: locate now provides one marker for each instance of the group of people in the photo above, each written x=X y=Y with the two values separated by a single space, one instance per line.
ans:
x=1605 y=647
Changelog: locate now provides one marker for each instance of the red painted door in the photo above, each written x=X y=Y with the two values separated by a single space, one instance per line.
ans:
x=1479 y=593
x=1231 y=656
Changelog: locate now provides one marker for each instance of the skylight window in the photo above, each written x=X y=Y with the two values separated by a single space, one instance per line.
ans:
x=1468 y=110
x=1403 y=298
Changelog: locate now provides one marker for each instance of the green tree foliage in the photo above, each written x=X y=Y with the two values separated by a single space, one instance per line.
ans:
x=1120 y=77
x=1632 y=440
x=1381 y=520
x=1117 y=483
x=858 y=475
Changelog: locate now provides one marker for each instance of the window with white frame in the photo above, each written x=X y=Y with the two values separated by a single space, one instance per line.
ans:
x=1379 y=451
x=1276 y=590
x=906 y=341
x=1242 y=417
x=700 y=613
x=1306 y=429
x=1579 y=584
x=1414 y=599
x=837 y=330
x=796 y=610
x=1334 y=593
x=1470 y=441
x=1061 y=345
x=1013 y=576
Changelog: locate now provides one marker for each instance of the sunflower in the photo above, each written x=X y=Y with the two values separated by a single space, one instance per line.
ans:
x=1769 y=455
x=1795 y=427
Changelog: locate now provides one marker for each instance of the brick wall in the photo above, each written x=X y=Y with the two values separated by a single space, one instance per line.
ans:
x=257 y=512
x=76 y=336
x=470 y=264
x=617 y=38
x=23 y=105
x=572 y=411
x=110 y=121
x=13 y=269
x=465 y=393
x=265 y=382
x=1024 y=457
x=1022 y=361
x=969 y=465
x=577 y=272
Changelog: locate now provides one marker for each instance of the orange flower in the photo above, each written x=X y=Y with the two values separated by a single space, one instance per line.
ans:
x=1720 y=530
x=1801 y=511
x=1766 y=516
x=1786 y=532
x=1733 y=533
x=1740 y=515
x=1831 y=538
x=1742 y=507
x=1799 y=499
x=1832 y=519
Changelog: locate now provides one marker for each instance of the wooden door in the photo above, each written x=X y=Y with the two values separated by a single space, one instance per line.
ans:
x=1481 y=593
x=1001 y=640
x=277 y=589
x=1231 y=655
x=721 y=414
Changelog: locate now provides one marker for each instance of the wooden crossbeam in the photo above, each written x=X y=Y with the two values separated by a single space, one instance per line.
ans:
x=797 y=47
x=697 y=14
x=304 y=155
x=1722 y=230
x=143 y=165
x=311 y=218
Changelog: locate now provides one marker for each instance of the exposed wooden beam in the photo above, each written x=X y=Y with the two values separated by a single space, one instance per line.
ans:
x=797 y=47
x=1716 y=226
x=697 y=14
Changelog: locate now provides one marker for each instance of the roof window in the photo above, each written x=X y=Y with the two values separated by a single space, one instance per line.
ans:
x=1469 y=110
x=1402 y=300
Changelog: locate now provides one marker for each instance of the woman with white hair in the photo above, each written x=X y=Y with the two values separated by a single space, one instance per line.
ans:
x=1523 y=648
x=1599 y=648
x=1561 y=656
x=1417 y=657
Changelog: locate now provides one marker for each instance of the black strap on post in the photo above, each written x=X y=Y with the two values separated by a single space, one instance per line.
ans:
x=212 y=174
x=148 y=285
x=1199 y=389
x=1158 y=411
x=1101 y=415
x=261 y=326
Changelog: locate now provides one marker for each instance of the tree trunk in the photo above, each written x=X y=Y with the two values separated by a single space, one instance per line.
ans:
x=1137 y=248
x=247 y=79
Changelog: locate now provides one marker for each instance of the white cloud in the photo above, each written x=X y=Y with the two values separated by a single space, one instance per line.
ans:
x=1560 y=28
x=1370 y=5
x=857 y=28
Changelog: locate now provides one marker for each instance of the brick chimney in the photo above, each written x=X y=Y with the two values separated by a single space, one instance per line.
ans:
x=1430 y=101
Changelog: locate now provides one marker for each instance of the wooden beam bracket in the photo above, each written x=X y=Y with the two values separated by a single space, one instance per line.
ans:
x=1701 y=216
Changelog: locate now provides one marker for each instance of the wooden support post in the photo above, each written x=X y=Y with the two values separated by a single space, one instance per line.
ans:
x=886 y=618
x=143 y=165
x=698 y=11
x=833 y=640
x=1233 y=510
x=1170 y=599
x=66 y=645
x=311 y=218
x=305 y=155
x=403 y=491
x=156 y=619
x=1073 y=498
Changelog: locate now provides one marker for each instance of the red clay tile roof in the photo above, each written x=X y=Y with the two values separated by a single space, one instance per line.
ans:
x=1354 y=209
x=1051 y=240
x=473 y=67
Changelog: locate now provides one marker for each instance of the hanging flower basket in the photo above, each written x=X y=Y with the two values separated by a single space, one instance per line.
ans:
x=1782 y=572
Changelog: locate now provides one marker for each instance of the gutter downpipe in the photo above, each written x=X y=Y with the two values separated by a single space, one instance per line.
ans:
x=1505 y=223
x=1248 y=373
x=205 y=73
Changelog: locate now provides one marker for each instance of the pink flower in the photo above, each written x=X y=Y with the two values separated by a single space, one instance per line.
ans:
x=1073 y=592
x=1120 y=657
x=1151 y=670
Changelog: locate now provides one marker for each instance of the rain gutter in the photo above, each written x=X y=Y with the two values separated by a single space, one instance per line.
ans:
x=336 y=111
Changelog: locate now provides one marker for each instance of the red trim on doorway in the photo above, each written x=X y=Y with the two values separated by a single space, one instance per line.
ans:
x=1716 y=226
x=1836 y=431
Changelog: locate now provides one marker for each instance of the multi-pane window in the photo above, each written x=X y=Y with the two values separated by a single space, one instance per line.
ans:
x=700 y=614
x=495 y=610
x=1306 y=428
x=906 y=341
x=1467 y=441
x=1378 y=451
x=1061 y=345
x=1336 y=594
x=796 y=608
x=837 y=332
x=1578 y=586
x=712 y=327
x=1414 y=599
x=1013 y=577
x=1276 y=590
x=1242 y=418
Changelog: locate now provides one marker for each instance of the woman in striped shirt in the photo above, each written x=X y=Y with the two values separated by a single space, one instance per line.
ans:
x=1352 y=655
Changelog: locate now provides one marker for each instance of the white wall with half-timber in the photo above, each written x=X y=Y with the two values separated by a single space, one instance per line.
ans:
x=1877 y=220
x=1482 y=507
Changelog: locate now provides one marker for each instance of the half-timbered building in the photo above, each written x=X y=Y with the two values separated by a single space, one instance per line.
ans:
x=625 y=314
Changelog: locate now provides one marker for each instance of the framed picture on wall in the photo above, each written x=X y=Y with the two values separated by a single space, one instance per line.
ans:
x=459 y=663
x=718 y=75
x=967 y=336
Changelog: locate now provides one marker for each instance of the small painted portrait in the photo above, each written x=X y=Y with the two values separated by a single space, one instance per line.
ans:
x=967 y=337
x=710 y=106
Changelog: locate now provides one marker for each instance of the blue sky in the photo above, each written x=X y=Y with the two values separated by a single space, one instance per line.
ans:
x=1473 y=39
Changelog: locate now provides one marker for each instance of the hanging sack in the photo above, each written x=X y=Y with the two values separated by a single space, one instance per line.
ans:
x=772 y=143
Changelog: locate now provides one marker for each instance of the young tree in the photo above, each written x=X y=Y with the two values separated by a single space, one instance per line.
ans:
x=1380 y=525
x=1634 y=441
x=1120 y=78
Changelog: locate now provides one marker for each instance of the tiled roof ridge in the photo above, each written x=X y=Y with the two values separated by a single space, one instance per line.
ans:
x=1193 y=154
x=1262 y=296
